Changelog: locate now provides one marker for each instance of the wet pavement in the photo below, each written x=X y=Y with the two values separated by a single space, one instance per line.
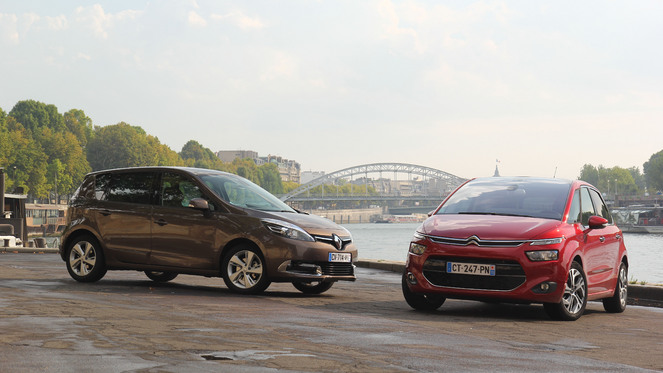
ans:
x=125 y=322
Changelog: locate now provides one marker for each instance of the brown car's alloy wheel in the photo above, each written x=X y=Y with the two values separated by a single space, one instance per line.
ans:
x=313 y=287
x=157 y=276
x=85 y=260
x=244 y=270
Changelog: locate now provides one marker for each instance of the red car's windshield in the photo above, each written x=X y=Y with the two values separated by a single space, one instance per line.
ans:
x=537 y=198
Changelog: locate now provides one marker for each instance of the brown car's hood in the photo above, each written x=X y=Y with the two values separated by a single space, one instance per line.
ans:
x=312 y=223
x=487 y=227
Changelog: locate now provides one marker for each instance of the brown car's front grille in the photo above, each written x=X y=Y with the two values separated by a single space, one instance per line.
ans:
x=508 y=274
x=337 y=269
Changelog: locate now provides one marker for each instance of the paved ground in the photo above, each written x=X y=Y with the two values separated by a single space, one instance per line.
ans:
x=50 y=323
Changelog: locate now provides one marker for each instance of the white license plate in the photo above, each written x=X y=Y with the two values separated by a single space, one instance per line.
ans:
x=471 y=268
x=340 y=257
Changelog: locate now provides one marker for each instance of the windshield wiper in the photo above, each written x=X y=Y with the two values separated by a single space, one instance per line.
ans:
x=494 y=213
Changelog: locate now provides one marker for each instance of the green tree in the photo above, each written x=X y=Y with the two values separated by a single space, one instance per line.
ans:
x=589 y=174
x=80 y=125
x=34 y=114
x=196 y=155
x=653 y=170
x=25 y=159
x=246 y=168
x=270 y=179
x=120 y=145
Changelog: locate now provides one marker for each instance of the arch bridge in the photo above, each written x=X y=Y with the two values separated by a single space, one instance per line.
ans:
x=433 y=184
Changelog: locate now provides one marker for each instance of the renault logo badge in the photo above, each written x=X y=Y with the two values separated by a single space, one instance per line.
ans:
x=338 y=242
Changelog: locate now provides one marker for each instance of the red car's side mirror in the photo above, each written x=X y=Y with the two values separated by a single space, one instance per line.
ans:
x=597 y=222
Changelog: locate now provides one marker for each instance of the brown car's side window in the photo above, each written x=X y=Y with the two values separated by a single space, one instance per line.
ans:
x=130 y=187
x=177 y=190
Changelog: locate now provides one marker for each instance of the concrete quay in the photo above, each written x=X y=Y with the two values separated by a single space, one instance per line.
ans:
x=125 y=322
x=640 y=295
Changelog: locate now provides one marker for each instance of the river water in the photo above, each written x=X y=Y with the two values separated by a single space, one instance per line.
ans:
x=390 y=242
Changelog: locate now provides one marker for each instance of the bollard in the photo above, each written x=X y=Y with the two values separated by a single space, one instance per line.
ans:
x=40 y=242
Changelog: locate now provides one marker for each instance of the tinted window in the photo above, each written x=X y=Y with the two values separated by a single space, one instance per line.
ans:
x=599 y=206
x=574 y=211
x=587 y=206
x=519 y=197
x=243 y=193
x=85 y=190
x=131 y=187
x=177 y=190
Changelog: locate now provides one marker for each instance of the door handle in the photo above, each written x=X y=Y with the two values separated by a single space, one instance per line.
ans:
x=602 y=239
x=161 y=222
x=105 y=212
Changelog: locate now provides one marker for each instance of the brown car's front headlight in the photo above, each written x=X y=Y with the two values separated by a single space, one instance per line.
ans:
x=288 y=230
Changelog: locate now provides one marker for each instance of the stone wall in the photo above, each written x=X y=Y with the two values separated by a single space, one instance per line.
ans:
x=350 y=216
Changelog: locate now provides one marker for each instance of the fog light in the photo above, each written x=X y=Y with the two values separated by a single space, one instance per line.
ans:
x=411 y=279
x=545 y=287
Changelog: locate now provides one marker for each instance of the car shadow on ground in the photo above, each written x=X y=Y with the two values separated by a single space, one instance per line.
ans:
x=392 y=307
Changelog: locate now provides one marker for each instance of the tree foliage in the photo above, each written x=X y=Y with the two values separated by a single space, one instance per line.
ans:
x=123 y=145
x=653 y=169
x=615 y=180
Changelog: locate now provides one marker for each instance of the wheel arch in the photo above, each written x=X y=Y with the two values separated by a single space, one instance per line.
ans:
x=76 y=234
x=237 y=242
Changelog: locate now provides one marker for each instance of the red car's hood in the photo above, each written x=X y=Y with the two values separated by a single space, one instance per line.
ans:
x=487 y=227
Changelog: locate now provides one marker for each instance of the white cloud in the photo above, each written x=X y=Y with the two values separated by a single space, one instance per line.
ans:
x=9 y=28
x=101 y=22
x=57 y=23
x=395 y=32
x=196 y=20
x=83 y=56
x=240 y=20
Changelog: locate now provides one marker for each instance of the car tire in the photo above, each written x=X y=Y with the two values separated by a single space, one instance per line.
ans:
x=157 y=276
x=85 y=260
x=244 y=270
x=315 y=287
x=421 y=302
x=617 y=303
x=574 y=299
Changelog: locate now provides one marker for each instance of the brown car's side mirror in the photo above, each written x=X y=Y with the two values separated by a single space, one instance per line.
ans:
x=597 y=222
x=199 y=204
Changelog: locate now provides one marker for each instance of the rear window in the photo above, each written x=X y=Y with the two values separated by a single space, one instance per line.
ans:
x=130 y=187
x=539 y=198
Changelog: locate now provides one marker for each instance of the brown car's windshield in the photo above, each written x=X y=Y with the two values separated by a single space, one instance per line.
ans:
x=242 y=193
x=510 y=196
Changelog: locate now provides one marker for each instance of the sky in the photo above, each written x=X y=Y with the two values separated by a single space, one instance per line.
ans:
x=538 y=88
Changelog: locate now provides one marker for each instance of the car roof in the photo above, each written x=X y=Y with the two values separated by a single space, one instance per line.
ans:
x=190 y=170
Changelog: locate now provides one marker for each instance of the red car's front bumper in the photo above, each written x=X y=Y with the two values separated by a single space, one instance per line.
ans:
x=516 y=278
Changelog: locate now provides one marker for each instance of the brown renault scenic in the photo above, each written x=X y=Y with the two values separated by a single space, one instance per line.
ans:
x=171 y=220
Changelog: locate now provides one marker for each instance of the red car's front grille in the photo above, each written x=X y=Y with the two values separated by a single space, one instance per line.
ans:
x=508 y=274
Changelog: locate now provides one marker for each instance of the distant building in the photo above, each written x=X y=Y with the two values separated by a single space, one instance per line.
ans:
x=229 y=155
x=288 y=169
x=307 y=176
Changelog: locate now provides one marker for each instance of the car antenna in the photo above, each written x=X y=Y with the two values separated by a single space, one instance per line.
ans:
x=555 y=174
